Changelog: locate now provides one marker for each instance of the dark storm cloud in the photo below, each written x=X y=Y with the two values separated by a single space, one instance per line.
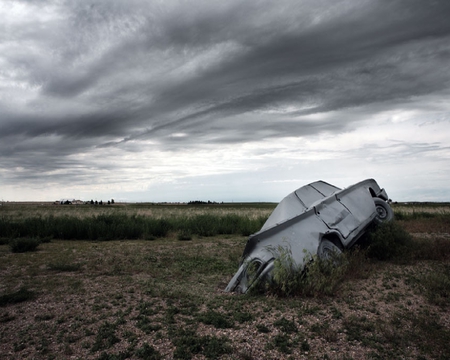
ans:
x=103 y=73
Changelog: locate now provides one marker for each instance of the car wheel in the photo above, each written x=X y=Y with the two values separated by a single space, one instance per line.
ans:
x=384 y=211
x=327 y=249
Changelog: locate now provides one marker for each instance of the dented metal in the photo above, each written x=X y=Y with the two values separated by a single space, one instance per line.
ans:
x=318 y=218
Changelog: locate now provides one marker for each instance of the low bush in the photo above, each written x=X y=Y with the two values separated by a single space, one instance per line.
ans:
x=390 y=241
x=21 y=295
x=21 y=245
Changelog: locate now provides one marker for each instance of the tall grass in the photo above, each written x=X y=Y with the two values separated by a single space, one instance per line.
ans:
x=124 y=226
x=319 y=276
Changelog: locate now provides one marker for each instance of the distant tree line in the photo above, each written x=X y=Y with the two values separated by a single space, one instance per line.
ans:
x=92 y=202
x=101 y=202
x=200 y=202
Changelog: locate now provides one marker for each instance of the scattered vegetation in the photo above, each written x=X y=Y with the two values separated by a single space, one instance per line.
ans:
x=387 y=298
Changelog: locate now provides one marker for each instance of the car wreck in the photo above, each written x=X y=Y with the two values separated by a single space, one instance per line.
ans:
x=316 y=219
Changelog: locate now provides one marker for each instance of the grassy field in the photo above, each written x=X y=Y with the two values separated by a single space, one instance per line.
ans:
x=162 y=297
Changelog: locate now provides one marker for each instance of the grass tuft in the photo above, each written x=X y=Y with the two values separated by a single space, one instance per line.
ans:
x=218 y=320
x=63 y=267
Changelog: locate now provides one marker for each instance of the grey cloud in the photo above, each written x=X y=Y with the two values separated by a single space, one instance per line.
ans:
x=108 y=73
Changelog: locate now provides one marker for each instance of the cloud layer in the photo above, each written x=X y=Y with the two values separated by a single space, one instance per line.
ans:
x=178 y=100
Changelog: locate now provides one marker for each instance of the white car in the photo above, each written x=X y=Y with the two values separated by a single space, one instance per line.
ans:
x=318 y=218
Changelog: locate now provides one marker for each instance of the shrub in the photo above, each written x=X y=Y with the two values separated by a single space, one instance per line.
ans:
x=21 y=245
x=16 y=297
x=390 y=241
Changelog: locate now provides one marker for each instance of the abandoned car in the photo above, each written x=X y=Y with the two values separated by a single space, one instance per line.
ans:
x=316 y=219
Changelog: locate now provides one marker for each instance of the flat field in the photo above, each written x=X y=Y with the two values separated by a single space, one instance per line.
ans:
x=162 y=297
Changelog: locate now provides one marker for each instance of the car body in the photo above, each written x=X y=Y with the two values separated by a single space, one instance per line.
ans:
x=318 y=218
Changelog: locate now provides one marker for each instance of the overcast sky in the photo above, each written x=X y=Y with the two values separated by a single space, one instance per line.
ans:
x=222 y=100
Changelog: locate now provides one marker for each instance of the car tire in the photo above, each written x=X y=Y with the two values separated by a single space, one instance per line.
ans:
x=384 y=211
x=327 y=249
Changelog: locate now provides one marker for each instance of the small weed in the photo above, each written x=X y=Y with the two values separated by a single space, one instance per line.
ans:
x=337 y=314
x=288 y=326
x=63 y=267
x=187 y=344
x=281 y=342
x=120 y=356
x=148 y=309
x=307 y=309
x=305 y=345
x=105 y=338
x=44 y=317
x=263 y=328
x=218 y=320
x=358 y=328
x=148 y=352
x=146 y=325
x=5 y=317
x=437 y=286
x=242 y=317
x=324 y=330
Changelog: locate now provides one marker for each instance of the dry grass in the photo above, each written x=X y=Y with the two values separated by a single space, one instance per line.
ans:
x=21 y=210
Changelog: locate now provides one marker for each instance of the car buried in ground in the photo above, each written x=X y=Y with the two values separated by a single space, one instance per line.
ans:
x=316 y=219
